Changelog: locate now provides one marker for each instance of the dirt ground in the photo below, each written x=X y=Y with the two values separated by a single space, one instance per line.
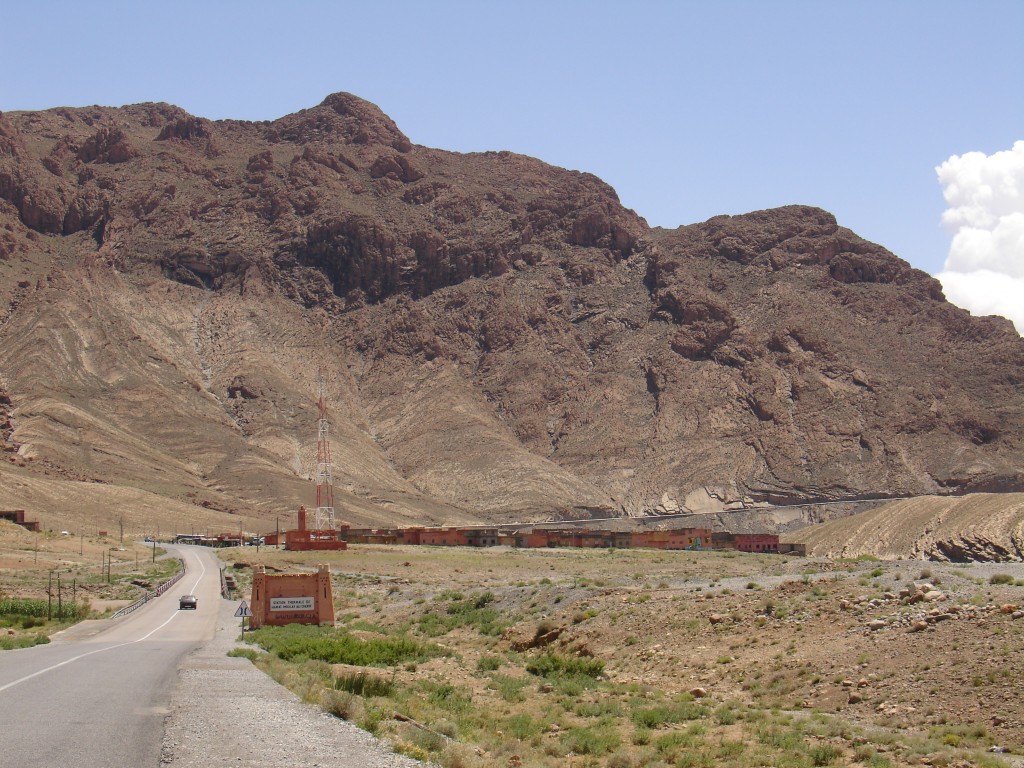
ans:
x=788 y=636
x=28 y=560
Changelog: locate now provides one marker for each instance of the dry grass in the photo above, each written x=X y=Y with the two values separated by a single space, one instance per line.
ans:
x=621 y=637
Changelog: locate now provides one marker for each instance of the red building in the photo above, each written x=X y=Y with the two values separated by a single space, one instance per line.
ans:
x=444 y=537
x=305 y=539
x=757 y=542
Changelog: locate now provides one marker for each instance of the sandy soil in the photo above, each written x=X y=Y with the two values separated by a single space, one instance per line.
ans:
x=769 y=632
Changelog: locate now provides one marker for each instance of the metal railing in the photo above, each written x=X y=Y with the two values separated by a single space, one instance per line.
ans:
x=150 y=595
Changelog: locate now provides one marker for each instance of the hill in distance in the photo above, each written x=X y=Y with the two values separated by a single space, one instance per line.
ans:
x=502 y=339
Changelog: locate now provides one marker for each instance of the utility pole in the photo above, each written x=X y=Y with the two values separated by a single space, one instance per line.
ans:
x=81 y=545
x=324 y=479
x=121 y=523
x=49 y=597
x=277 y=538
x=59 y=602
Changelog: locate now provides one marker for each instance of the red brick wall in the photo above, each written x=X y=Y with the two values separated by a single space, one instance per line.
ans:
x=311 y=594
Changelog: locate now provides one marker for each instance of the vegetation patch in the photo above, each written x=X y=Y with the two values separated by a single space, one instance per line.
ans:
x=297 y=642
x=555 y=665
x=461 y=611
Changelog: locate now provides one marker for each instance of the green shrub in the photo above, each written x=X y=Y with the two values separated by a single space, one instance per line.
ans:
x=509 y=688
x=244 y=653
x=602 y=708
x=447 y=696
x=488 y=663
x=728 y=748
x=552 y=665
x=523 y=726
x=787 y=741
x=671 y=743
x=590 y=741
x=1000 y=578
x=295 y=642
x=362 y=684
x=9 y=643
x=725 y=716
x=664 y=714
x=461 y=611
x=824 y=754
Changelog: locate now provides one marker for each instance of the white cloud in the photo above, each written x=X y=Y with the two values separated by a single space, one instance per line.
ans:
x=984 y=271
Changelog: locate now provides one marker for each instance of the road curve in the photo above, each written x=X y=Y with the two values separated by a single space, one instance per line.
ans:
x=97 y=695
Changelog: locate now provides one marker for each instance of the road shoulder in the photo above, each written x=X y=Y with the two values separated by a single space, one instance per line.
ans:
x=225 y=711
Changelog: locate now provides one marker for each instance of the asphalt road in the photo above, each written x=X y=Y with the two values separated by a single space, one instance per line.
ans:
x=96 y=696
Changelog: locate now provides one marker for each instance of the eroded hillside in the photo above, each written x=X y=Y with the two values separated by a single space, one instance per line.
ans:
x=502 y=339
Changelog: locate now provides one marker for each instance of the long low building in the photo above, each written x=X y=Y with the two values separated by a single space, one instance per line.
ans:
x=534 y=537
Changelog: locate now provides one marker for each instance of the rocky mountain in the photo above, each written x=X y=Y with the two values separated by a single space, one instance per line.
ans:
x=502 y=339
x=976 y=527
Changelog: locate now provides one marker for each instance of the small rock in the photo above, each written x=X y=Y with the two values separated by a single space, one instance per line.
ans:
x=717 y=618
x=855 y=698
x=933 y=595
x=698 y=692
x=547 y=688
x=1007 y=608
x=1017 y=615
x=918 y=625
x=876 y=625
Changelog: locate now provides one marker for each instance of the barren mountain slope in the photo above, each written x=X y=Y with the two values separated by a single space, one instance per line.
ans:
x=501 y=338
x=981 y=526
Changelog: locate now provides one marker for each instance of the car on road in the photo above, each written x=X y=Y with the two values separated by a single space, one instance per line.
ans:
x=187 y=602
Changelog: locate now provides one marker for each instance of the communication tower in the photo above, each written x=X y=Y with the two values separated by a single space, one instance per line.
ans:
x=324 y=481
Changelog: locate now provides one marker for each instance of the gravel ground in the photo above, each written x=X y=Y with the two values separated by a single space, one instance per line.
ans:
x=225 y=711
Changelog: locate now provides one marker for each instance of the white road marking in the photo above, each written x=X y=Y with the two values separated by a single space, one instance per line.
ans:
x=110 y=648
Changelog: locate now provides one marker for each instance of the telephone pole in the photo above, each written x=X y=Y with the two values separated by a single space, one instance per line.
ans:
x=324 y=480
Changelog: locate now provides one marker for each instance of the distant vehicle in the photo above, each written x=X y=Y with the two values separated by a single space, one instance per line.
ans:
x=187 y=602
x=148 y=539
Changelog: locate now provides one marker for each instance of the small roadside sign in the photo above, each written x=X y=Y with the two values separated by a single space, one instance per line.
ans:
x=243 y=610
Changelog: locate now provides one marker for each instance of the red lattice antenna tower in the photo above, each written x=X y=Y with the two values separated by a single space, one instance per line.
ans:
x=324 y=481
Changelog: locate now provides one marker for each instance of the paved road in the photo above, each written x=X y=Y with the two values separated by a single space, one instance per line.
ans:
x=96 y=696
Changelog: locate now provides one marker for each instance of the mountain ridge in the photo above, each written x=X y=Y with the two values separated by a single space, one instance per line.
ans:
x=504 y=340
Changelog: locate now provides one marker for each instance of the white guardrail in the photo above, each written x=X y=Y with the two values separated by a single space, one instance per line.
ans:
x=150 y=595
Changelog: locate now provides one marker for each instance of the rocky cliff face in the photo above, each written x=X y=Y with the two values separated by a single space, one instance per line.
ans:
x=502 y=338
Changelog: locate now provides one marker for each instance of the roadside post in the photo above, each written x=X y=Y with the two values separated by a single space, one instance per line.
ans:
x=243 y=612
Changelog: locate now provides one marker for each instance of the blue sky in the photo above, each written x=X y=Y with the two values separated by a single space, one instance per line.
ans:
x=688 y=109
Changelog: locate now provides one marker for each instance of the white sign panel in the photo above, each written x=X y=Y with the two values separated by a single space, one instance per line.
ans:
x=291 y=603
